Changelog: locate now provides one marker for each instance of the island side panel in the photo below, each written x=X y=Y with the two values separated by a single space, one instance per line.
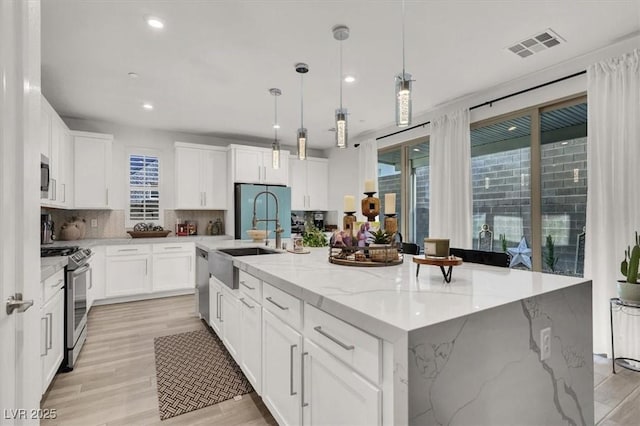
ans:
x=485 y=368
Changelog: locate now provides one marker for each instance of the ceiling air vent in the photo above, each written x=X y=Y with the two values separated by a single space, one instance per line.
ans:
x=536 y=43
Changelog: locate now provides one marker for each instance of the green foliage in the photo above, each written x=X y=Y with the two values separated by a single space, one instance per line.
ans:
x=503 y=242
x=550 y=258
x=381 y=237
x=630 y=268
x=313 y=237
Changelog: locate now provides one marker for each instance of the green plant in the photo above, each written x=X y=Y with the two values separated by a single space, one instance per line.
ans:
x=630 y=268
x=380 y=237
x=503 y=242
x=313 y=237
x=550 y=258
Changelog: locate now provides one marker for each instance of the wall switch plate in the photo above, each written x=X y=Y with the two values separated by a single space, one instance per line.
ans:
x=94 y=223
x=545 y=343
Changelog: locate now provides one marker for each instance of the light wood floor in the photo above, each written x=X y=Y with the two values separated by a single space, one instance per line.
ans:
x=114 y=382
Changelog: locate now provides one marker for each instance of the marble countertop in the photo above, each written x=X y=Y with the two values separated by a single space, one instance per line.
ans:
x=391 y=301
x=51 y=265
x=92 y=242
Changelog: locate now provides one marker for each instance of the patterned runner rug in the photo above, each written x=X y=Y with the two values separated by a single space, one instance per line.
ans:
x=194 y=370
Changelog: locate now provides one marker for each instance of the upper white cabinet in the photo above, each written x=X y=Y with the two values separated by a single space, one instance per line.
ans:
x=254 y=165
x=55 y=144
x=200 y=177
x=309 y=183
x=92 y=177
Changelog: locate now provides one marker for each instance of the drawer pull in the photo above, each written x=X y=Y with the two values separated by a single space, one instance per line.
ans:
x=284 y=308
x=333 y=339
x=127 y=250
x=291 y=392
x=246 y=304
x=247 y=286
x=173 y=248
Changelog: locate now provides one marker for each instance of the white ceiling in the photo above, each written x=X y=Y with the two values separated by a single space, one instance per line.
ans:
x=209 y=70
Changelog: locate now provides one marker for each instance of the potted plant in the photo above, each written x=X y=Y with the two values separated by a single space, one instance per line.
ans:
x=629 y=289
x=381 y=248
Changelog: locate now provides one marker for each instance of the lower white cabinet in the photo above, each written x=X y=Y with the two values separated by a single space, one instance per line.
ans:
x=281 y=378
x=335 y=394
x=52 y=327
x=251 y=341
x=128 y=275
x=173 y=271
x=215 y=294
x=230 y=318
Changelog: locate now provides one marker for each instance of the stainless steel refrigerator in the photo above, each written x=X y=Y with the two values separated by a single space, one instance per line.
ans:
x=247 y=195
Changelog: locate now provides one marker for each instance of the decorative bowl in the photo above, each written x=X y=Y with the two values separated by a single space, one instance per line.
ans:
x=258 y=235
x=148 y=234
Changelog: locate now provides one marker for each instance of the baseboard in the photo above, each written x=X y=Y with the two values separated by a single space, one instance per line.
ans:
x=146 y=296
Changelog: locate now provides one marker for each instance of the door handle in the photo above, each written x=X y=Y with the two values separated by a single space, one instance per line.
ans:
x=15 y=303
x=247 y=286
x=46 y=331
x=246 y=304
x=304 y=404
x=205 y=198
x=50 y=321
x=64 y=192
x=284 y=308
x=221 y=320
x=107 y=192
x=333 y=339
x=291 y=392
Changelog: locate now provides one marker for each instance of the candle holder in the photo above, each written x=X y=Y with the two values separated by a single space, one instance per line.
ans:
x=348 y=222
x=391 y=223
x=370 y=206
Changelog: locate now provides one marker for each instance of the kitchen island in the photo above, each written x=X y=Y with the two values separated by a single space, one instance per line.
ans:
x=468 y=352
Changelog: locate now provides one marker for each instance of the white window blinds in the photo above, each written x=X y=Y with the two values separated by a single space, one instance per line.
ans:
x=144 y=191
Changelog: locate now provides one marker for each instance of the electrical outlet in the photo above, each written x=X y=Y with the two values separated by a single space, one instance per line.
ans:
x=94 y=223
x=545 y=343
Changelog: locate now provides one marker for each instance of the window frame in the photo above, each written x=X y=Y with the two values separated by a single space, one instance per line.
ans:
x=147 y=152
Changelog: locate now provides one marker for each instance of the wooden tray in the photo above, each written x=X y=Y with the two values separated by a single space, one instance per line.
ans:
x=305 y=251
x=363 y=263
x=148 y=234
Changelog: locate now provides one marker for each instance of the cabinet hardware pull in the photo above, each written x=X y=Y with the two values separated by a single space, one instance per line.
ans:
x=246 y=304
x=50 y=321
x=119 y=250
x=218 y=304
x=291 y=392
x=221 y=320
x=107 y=192
x=247 y=286
x=304 y=404
x=259 y=174
x=46 y=331
x=146 y=267
x=173 y=247
x=64 y=192
x=90 y=279
x=284 y=308
x=333 y=339
x=205 y=198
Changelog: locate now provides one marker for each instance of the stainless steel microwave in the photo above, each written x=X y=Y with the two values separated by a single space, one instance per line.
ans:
x=44 y=176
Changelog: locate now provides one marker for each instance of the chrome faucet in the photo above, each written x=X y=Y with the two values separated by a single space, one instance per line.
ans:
x=255 y=220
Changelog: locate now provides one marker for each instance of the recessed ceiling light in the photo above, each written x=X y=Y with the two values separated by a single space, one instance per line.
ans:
x=133 y=75
x=155 y=23
x=147 y=106
x=416 y=149
x=349 y=79
x=276 y=126
x=565 y=143
x=512 y=128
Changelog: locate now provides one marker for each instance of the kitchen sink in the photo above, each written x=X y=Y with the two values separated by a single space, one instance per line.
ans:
x=248 y=251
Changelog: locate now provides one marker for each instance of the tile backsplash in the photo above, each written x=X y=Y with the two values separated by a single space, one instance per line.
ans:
x=111 y=223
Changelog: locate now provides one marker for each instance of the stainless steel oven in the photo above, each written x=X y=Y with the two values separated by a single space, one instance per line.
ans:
x=78 y=281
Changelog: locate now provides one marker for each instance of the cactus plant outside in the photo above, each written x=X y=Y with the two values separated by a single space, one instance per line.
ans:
x=503 y=242
x=629 y=268
x=550 y=258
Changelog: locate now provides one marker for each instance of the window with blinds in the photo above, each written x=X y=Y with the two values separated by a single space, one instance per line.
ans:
x=144 y=188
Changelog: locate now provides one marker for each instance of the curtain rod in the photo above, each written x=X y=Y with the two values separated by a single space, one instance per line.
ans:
x=490 y=103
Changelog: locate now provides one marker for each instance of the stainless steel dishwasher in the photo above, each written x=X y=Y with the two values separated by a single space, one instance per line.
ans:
x=202 y=283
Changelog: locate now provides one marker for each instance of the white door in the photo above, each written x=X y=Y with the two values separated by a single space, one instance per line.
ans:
x=173 y=271
x=298 y=175
x=334 y=394
x=92 y=164
x=188 y=188
x=251 y=342
x=127 y=275
x=273 y=176
x=281 y=349
x=230 y=315
x=248 y=166
x=215 y=180
x=215 y=293
x=317 y=184
x=19 y=164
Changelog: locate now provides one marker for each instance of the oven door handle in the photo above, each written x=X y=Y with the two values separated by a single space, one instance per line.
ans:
x=81 y=270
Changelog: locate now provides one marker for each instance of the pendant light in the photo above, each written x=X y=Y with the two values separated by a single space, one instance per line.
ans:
x=403 y=89
x=301 y=137
x=340 y=33
x=275 y=147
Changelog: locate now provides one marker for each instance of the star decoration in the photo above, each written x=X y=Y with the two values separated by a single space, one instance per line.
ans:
x=520 y=254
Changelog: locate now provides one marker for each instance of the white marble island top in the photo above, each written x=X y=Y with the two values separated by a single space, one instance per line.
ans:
x=391 y=301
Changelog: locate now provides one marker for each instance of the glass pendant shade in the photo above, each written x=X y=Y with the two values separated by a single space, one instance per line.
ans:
x=275 y=155
x=302 y=144
x=403 y=99
x=341 y=128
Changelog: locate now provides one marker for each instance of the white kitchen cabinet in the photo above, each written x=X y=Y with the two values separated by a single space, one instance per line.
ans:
x=96 y=291
x=254 y=165
x=55 y=145
x=230 y=319
x=200 y=177
x=334 y=393
x=309 y=182
x=52 y=327
x=173 y=266
x=128 y=270
x=92 y=174
x=251 y=341
x=215 y=295
x=281 y=378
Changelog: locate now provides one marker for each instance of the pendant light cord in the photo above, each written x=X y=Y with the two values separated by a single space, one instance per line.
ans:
x=403 y=18
x=275 y=124
x=340 y=74
x=301 y=102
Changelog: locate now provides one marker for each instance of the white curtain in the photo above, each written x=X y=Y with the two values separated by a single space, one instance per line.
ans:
x=450 y=212
x=613 y=195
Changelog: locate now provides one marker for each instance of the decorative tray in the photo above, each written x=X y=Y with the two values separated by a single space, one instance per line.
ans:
x=368 y=256
x=148 y=234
